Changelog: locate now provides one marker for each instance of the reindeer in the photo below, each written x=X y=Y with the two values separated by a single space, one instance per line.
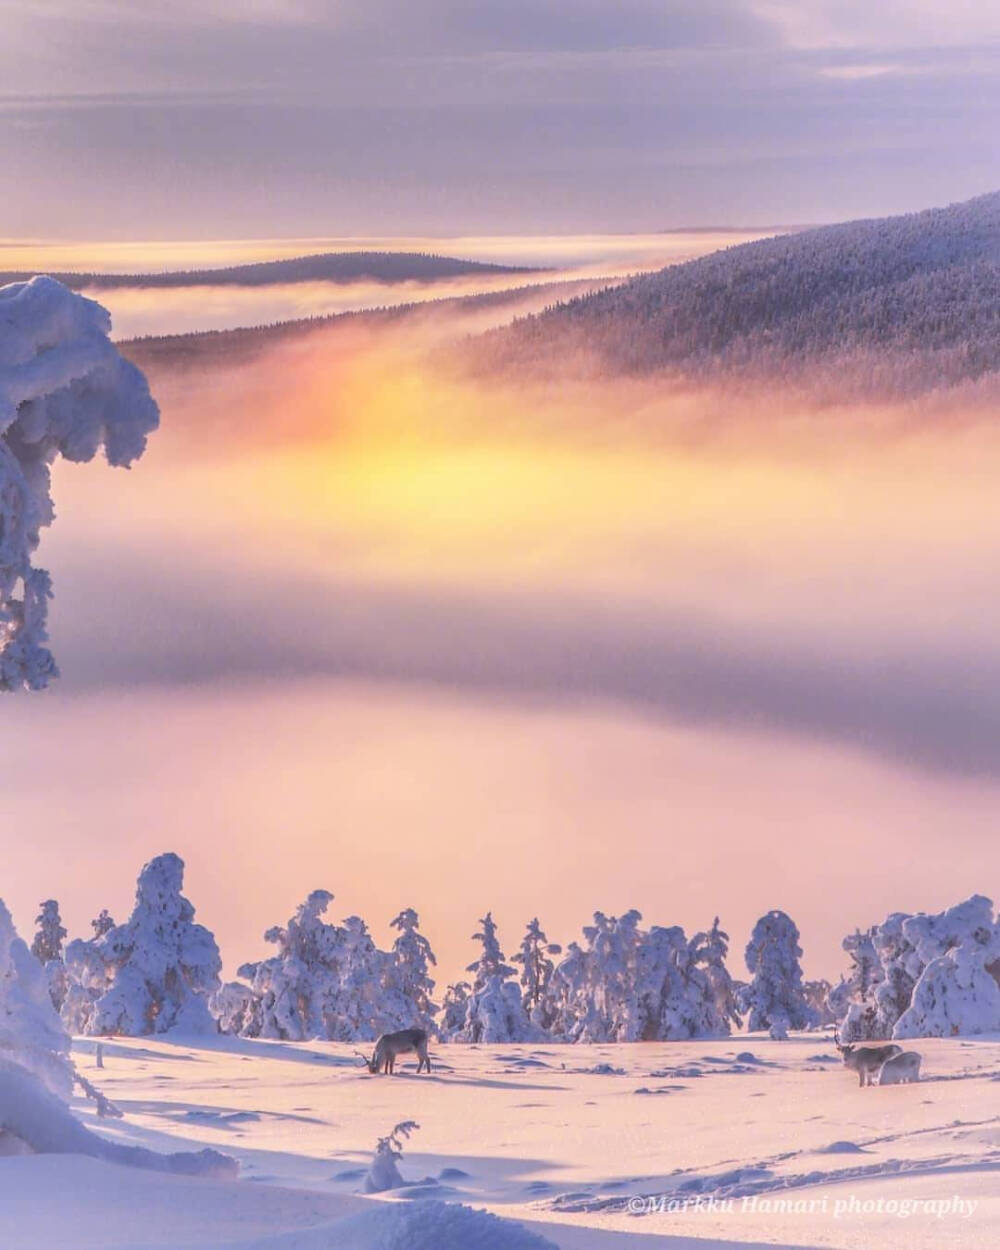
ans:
x=900 y=1069
x=867 y=1060
x=389 y=1045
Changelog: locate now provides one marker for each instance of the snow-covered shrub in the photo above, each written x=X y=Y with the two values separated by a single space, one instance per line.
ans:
x=775 y=999
x=958 y=988
x=154 y=973
x=383 y=1172
x=494 y=1011
x=64 y=391
x=236 y=1009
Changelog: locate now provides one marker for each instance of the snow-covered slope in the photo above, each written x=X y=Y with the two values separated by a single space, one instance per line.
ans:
x=737 y=1137
x=897 y=305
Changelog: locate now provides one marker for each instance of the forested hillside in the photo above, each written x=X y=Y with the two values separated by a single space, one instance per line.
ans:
x=325 y=267
x=898 y=305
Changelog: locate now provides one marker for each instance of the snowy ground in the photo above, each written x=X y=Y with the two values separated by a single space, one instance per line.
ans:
x=559 y=1137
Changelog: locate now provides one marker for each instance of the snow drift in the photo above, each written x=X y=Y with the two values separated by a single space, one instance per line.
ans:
x=64 y=391
x=37 y=1077
x=432 y=1226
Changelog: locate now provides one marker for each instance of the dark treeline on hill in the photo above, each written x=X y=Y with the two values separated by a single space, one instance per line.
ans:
x=891 y=307
x=326 y=267
x=237 y=346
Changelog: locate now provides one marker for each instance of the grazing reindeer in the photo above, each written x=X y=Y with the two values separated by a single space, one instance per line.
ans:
x=867 y=1060
x=900 y=1069
x=389 y=1045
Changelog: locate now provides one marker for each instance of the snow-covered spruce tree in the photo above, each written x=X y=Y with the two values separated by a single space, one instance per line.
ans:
x=957 y=989
x=454 y=1010
x=408 y=985
x=494 y=1011
x=569 y=1000
x=536 y=973
x=667 y=1004
x=49 y=933
x=818 y=997
x=47 y=948
x=159 y=969
x=864 y=974
x=64 y=391
x=297 y=988
x=325 y=981
x=774 y=999
x=360 y=1012
x=612 y=1013
x=900 y=967
x=710 y=951
x=102 y=923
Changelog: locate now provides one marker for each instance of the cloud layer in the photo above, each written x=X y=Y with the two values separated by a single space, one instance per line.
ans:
x=391 y=117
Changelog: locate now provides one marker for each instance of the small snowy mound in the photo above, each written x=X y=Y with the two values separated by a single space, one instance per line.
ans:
x=432 y=1226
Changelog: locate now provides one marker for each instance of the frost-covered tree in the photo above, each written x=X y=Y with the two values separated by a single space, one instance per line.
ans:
x=721 y=1012
x=818 y=994
x=957 y=988
x=358 y=1010
x=297 y=987
x=455 y=1009
x=408 y=973
x=330 y=981
x=64 y=391
x=937 y=975
x=102 y=923
x=775 y=999
x=152 y=974
x=536 y=972
x=47 y=948
x=494 y=1011
x=49 y=933
x=613 y=1012
x=570 y=1006
x=31 y=1034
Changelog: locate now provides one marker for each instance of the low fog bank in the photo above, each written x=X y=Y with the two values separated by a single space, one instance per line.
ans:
x=714 y=651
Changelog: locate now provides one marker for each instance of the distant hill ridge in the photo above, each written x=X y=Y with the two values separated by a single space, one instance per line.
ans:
x=896 y=305
x=323 y=267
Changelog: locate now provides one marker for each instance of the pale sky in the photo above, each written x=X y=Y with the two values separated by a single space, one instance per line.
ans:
x=129 y=120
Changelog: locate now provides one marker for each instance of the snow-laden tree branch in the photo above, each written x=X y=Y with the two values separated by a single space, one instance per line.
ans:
x=64 y=391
